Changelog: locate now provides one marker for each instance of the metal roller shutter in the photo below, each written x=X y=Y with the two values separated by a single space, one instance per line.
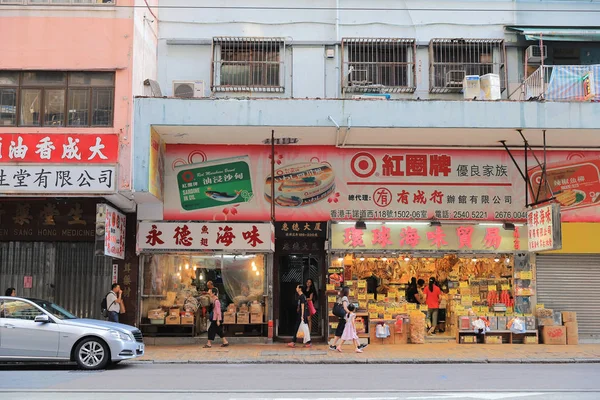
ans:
x=571 y=282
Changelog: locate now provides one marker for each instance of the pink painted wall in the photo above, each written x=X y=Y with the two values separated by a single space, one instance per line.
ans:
x=74 y=42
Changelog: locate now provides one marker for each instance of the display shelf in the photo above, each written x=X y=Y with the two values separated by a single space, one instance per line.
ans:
x=153 y=330
x=508 y=336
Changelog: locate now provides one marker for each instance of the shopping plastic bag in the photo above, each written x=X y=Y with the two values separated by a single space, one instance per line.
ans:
x=300 y=333
x=381 y=332
x=305 y=332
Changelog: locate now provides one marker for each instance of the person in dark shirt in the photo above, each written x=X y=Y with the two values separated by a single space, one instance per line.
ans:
x=303 y=315
x=411 y=291
x=311 y=297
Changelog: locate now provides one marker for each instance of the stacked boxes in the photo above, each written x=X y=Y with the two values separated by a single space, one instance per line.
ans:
x=570 y=322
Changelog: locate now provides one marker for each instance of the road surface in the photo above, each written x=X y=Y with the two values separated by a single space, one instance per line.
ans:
x=299 y=382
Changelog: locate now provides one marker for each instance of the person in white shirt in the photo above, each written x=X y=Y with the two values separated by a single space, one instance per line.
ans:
x=114 y=301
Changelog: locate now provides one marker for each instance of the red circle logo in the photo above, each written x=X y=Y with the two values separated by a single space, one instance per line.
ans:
x=382 y=197
x=363 y=165
x=187 y=176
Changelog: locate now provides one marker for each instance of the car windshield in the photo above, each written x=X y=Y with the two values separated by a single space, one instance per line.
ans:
x=55 y=310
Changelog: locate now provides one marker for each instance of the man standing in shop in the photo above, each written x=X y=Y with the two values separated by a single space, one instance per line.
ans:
x=114 y=300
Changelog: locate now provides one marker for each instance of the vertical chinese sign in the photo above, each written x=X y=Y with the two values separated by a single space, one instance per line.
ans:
x=41 y=164
x=110 y=232
x=544 y=228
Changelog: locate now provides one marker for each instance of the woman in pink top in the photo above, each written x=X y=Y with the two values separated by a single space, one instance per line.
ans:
x=432 y=298
x=216 y=320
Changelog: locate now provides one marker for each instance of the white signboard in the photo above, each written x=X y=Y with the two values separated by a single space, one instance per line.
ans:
x=544 y=228
x=60 y=179
x=114 y=236
x=205 y=236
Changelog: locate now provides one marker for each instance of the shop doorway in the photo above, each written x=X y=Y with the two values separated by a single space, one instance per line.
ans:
x=295 y=269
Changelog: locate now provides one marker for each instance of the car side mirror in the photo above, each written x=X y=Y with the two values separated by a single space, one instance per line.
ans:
x=44 y=319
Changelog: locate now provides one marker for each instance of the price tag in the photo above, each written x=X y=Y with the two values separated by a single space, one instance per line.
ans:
x=371 y=296
x=459 y=308
x=505 y=287
x=453 y=291
x=423 y=307
x=509 y=310
x=539 y=305
x=362 y=305
x=362 y=296
x=492 y=288
x=373 y=315
x=380 y=309
x=526 y=275
x=372 y=307
x=330 y=286
x=464 y=284
x=331 y=299
x=411 y=306
x=334 y=325
x=362 y=284
x=351 y=293
x=387 y=316
x=350 y=283
x=393 y=290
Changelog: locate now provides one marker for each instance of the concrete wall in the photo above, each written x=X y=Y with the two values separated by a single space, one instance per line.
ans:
x=186 y=33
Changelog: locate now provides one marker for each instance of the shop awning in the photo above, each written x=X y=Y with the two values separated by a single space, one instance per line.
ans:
x=559 y=34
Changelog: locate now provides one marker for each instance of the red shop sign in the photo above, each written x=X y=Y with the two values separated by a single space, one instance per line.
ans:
x=59 y=148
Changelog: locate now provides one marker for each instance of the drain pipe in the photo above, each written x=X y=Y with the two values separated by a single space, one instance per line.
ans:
x=337 y=132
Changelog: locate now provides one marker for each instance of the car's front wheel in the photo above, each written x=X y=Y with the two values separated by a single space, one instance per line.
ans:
x=92 y=353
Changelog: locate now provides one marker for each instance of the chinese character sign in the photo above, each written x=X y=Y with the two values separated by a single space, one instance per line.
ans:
x=322 y=183
x=544 y=228
x=55 y=148
x=415 y=236
x=53 y=179
x=114 y=230
x=205 y=236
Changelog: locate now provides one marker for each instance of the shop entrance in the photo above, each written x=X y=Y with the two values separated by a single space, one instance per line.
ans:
x=296 y=269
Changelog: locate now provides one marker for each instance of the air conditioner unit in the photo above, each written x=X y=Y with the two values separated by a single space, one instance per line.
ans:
x=188 y=89
x=536 y=54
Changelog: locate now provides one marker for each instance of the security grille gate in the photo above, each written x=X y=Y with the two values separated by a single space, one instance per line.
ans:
x=572 y=283
x=66 y=273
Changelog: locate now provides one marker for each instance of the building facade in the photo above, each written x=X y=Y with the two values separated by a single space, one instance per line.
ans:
x=67 y=80
x=378 y=113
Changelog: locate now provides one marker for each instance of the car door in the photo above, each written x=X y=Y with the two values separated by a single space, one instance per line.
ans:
x=22 y=337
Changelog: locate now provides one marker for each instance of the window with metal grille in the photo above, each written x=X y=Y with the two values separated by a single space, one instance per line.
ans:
x=450 y=60
x=248 y=64
x=378 y=64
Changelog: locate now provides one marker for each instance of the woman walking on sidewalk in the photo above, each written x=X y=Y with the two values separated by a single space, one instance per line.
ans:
x=303 y=315
x=432 y=293
x=216 y=320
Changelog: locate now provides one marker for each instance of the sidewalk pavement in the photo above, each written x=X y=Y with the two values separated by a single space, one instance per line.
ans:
x=439 y=353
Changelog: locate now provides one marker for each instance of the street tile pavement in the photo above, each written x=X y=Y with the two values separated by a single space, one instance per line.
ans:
x=279 y=353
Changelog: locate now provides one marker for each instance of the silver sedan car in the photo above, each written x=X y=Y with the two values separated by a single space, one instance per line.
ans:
x=38 y=330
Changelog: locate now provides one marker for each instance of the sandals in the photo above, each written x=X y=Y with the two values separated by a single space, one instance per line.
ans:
x=225 y=345
x=206 y=347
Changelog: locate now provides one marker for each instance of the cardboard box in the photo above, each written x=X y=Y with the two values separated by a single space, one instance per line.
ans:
x=572 y=333
x=174 y=312
x=156 y=314
x=256 y=308
x=546 y=322
x=554 y=335
x=569 y=316
x=493 y=339
x=470 y=339
x=256 y=317
x=187 y=320
x=530 y=340
x=229 y=318
x=243 y=318
x=173 y=320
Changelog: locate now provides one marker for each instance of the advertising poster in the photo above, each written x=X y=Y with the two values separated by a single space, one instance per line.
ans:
x=321 y=183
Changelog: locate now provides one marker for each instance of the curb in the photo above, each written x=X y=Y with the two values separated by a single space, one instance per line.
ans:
x=334 y=361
